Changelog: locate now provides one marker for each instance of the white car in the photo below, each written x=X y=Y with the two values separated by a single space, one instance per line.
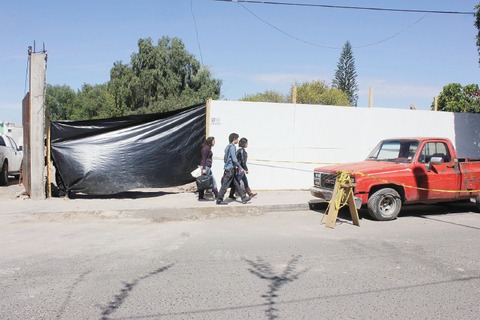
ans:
x=11 y=157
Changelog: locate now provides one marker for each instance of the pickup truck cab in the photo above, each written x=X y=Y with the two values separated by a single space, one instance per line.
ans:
x=404 y=171
x=11 y=157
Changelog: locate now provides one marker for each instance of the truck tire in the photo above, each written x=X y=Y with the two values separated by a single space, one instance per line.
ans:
x=384 y=204
x=4 y=174
x=477 y=202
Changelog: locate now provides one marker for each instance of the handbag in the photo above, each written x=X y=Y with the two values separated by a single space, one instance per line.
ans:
x=204 y=181
x=197 y=172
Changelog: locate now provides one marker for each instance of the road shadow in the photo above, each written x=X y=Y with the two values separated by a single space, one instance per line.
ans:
x=13 y=182
x=122 y=195
x=430 y=210
x=343 y=216
x=137 y=193
x=70 y=292
x=438 y=209
x=125 y=291
x=264 y=270
x=415 y=210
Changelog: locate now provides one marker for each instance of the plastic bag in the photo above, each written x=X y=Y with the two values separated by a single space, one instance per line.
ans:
x=204 y=182
x=197 y=172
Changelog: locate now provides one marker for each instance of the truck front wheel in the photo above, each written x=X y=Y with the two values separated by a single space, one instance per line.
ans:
x=477 y=202
x=384 y=204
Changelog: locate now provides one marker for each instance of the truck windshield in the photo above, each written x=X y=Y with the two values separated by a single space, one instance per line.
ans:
x=395 y=151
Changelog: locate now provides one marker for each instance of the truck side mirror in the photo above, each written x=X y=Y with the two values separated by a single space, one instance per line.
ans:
x=434 y=161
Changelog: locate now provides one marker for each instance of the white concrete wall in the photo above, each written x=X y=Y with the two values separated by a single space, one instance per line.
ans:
x=287 y=141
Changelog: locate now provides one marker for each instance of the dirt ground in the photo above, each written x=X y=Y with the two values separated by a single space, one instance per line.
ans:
x=12 y=191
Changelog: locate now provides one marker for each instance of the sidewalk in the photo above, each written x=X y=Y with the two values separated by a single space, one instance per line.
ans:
x=151 y=204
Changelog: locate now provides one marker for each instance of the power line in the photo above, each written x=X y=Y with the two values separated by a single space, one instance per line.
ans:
x=196 y=31
x=393 y=36
x=284 y=32
x=348 y=7
x=325 y=46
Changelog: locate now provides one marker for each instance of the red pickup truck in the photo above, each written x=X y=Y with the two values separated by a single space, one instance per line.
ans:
x=405 y=171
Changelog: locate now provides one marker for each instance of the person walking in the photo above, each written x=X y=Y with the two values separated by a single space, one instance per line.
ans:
x=242 y=157
x=231 y=163
x=206 y=164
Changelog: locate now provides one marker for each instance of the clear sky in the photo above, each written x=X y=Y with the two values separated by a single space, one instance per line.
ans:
x=406 y=58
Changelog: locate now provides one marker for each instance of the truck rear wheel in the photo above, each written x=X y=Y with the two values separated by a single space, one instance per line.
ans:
x=384 y=204
x=4 y=174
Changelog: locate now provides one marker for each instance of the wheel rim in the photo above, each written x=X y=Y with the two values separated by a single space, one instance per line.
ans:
x=388 y=204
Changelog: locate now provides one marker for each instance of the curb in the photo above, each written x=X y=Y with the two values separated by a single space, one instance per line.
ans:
x=161 y=207
x=159 y=214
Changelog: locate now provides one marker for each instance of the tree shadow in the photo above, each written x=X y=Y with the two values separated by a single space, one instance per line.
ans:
x=67 y=299
x=120 y=298
x=264 y=270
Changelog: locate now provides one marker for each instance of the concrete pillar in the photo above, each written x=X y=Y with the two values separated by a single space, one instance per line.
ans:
x=38 y=69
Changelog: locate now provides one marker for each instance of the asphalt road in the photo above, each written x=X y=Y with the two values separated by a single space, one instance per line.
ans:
x=288 y=265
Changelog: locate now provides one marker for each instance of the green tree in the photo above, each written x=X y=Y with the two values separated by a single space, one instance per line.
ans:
x=458 y=98
x=94 y=102
x=121 y=76
x=161 y=78
x=91 y=102
x=477 y=25
x=60 y=101
x=346 y=74
x=318 y=92
x=267 y=96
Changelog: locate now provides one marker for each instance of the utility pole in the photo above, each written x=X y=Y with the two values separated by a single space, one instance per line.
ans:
x=370 y=98
x=34 y=127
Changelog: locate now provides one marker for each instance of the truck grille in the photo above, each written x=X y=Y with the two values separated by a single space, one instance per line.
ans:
x=324 y=180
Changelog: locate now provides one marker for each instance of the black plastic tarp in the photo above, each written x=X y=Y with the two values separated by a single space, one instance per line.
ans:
x=108 y=156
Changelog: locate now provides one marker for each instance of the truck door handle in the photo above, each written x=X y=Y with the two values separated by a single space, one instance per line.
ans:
x=450 y=166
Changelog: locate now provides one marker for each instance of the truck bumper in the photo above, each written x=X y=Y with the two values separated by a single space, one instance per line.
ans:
x=326 y=194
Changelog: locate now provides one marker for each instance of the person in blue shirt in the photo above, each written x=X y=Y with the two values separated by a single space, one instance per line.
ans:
x=242 y=157
x=231 y=163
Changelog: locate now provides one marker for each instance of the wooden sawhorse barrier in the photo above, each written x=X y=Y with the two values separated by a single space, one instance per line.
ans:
x=342 y=195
